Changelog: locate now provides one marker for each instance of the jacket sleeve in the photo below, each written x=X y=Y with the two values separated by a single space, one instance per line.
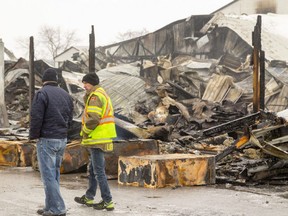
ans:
x=93 y=117
x=71 y=113
x=37 y=113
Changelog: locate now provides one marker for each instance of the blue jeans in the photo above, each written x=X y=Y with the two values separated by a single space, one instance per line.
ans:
x=49 y=154
x=97 y=176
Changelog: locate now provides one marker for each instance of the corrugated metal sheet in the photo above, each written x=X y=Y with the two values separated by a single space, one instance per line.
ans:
x=13 y=75
x=230 y=61
x=124 y=86
x=128 y=69
x=124 y=91
x=220 y=88
x=277 y=99
x=280 y=74
x=73 y=79
x=122 y=83
x=199 y=65
x=275 y=46
x=278 y=102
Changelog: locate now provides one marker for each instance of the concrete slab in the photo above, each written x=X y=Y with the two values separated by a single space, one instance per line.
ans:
x=22 y=194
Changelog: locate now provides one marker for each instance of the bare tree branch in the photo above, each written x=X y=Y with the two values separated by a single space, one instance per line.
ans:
x=131 y=34
x=51 y=42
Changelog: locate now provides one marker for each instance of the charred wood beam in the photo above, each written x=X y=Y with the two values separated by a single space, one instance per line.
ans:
x=269 y=173
x=178 y=87
x=136 y=49
x=240 y=124
x=167 y=41
x=123 y=47
x=233 y=125
x=145 y=49
x=128 y=58
x=194 y=53
x=135 y=54
x=100 y=60
x=3 y=111
x=131 y=57
x=32 y=73
x=262 y=80
x=237 y=144
x=256 y=42
x=255 y=76
x=268 y=148
x=161 y=48
x=231 y=180
x=92 y=51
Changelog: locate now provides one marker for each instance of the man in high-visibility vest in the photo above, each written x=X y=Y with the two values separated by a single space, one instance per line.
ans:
x=98 y=131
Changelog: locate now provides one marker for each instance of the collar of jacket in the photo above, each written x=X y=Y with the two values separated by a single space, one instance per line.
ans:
x=52 y=83
x=92 y=89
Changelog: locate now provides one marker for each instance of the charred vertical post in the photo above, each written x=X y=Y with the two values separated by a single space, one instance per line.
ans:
x=92 y=51
x=262 y=80
x=256 y=42
x=141 y=68
x=3 y=112
x=32 y=73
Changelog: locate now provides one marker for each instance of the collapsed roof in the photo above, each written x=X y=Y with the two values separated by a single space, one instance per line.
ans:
x=190 y=75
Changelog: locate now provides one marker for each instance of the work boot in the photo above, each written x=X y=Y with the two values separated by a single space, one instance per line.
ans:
x=84 y=200
x=104 y=205
x=47 y=213
x=40 y=211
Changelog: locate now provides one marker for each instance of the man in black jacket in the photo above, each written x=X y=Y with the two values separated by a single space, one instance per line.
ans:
x=51 y=116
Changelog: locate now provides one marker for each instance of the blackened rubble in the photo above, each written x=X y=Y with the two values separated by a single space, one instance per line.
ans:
x=178 y=121
x=178 y=98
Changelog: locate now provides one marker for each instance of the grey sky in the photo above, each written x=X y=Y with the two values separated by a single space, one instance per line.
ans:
x=23 y=18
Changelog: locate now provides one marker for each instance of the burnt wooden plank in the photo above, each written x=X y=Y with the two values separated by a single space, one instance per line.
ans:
x=25 y=152
x=8 y=154
x=75 y=158
x=157 y=171
x=137 y=147
x=16 y=153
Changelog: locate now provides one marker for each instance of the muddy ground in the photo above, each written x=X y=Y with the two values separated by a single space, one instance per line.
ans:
x=22 y=194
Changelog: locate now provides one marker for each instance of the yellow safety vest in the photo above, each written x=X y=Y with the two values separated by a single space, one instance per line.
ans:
x=103 y=134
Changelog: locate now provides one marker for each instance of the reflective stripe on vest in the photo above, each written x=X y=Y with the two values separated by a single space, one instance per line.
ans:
x=106 y=130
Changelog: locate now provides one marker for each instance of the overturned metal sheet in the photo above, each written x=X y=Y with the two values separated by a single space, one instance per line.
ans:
x=14 y=75
x=257 y=138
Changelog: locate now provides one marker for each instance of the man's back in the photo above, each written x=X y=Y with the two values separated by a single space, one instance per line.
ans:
x=52 y=112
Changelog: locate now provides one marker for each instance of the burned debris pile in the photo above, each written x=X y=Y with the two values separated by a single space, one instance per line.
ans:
x=197 y=101
x=174 y=113
x=199 y=126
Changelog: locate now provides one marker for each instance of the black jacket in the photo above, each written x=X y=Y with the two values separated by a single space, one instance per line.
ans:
x=51 y=113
